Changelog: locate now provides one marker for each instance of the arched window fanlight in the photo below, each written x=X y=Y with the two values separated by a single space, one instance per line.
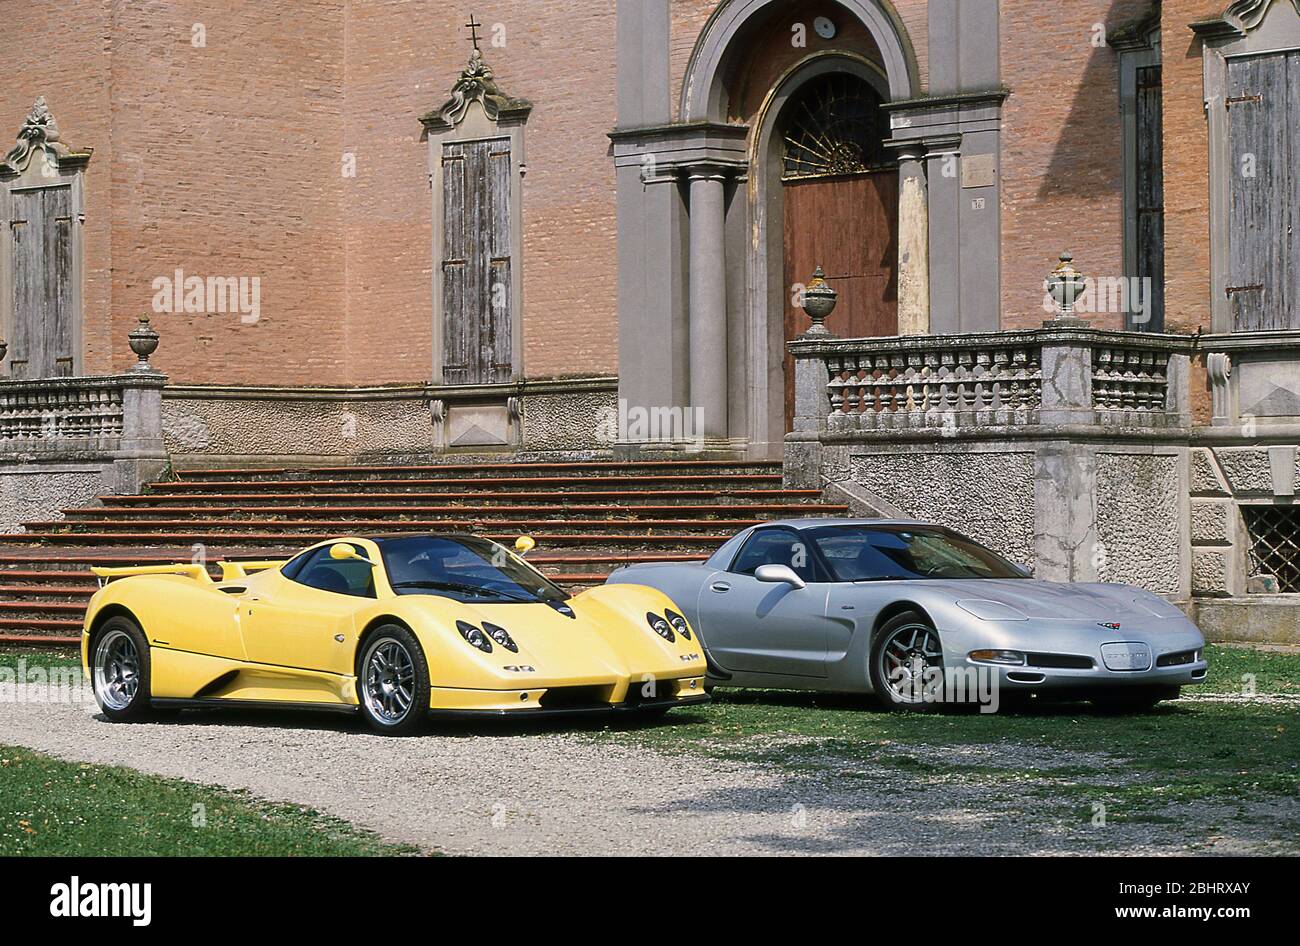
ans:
x=834 y=125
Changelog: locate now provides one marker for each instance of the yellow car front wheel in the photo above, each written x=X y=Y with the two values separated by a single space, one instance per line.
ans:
x=393 y=682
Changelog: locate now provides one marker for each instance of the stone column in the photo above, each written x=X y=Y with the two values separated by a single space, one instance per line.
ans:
x=913 y=243
x=708 y=299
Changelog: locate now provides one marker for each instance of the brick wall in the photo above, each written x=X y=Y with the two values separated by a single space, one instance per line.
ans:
x=60 y=50
x=227 y=160
x=558 y=54
x=225 y=163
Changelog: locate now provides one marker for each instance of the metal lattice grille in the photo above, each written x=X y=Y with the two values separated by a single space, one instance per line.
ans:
x=1275 y=543
x=836 y=126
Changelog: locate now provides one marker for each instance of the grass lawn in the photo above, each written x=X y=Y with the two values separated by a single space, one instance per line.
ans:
x=51 y=807
x=1238 y=757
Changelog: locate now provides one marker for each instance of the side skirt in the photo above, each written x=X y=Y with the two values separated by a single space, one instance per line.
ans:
x=218 y=703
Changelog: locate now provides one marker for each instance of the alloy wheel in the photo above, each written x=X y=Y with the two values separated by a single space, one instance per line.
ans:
x=117 y=670
x=389 y=686
x=911 y=664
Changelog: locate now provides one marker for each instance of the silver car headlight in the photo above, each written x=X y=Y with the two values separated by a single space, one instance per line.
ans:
x=987 y=610
x=1011 y=657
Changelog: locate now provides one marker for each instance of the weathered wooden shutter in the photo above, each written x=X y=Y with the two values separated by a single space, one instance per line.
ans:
x=1264 y=191
x=476 y=263
x=1151 y=194
x=41 y=229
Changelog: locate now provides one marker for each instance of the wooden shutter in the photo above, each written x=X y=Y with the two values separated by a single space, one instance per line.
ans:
x=41 y=230
x=1263 y=118
x=1151 y=193
x=476 y=263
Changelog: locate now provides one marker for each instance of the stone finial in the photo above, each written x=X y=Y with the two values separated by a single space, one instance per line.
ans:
x=1065 y=285
x=476 y=83
x=144 y=342
x=819 y=302
x=39 y=132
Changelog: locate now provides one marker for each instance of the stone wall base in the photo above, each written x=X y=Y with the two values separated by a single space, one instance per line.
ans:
x=1257 y=619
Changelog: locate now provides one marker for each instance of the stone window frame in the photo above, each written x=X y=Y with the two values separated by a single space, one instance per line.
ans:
x=1137 y=48
x=478 y=111
x=1246 y=28
x=41 y=160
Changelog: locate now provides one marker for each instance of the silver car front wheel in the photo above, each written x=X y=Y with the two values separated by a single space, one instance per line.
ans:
x=907 y=663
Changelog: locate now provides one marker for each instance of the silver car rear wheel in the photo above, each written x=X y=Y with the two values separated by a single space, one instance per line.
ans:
x=909 y=661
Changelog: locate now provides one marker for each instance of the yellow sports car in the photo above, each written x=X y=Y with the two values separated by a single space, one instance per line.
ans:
x=396 y=628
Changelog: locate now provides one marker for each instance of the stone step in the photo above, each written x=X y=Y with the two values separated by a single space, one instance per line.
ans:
x=328 y=528
x=476 y=470
x=622 y=498
x=513 y=483
x=603 y=511
x=583 y=537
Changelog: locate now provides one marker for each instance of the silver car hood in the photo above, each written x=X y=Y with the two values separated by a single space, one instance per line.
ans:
x=1056 y=601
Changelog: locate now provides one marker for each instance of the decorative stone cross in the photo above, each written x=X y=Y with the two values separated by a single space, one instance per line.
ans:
x=473 y=26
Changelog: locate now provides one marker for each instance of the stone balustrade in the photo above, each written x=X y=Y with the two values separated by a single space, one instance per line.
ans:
x=1058 y=375
x=57 y=417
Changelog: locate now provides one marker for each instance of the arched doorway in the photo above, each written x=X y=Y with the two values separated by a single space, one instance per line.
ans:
x=840 y=207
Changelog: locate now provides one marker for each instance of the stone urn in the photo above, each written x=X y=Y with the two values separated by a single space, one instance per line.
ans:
x=819 y=302
x=1065 y=285
x=144 y=342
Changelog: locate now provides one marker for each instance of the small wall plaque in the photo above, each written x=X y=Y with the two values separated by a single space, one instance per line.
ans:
x=978 y=170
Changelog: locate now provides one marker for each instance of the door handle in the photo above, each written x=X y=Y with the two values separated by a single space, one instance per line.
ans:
x=721 y=587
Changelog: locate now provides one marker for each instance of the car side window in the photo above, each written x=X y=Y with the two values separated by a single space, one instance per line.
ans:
x=346 y=577
x=775 y=547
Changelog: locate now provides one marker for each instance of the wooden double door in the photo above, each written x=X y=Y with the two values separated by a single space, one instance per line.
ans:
x=848 y=226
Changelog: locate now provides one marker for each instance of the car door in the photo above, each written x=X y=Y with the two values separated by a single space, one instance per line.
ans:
x=761 y=627
x=295 y=620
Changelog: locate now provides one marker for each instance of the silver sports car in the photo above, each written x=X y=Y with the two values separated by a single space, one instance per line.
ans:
x=919 y=615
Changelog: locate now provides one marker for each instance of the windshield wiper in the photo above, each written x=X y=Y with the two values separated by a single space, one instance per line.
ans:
x=458 y=586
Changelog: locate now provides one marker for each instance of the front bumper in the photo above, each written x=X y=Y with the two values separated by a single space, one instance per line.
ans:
x=533 y=712
x=611 y=696
x=1076 y=657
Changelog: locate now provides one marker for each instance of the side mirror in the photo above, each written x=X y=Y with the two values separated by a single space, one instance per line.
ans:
x=341 y=551
x=525 y=544
x=779 y=575
x=1023 y=569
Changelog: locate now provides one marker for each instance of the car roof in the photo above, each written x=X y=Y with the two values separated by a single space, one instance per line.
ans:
x=826 y=521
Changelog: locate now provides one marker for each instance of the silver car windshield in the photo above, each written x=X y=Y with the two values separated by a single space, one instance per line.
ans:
x=875 y=553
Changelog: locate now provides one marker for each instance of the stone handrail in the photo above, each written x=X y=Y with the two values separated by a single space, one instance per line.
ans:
x=82 y=415
x=1056 y=375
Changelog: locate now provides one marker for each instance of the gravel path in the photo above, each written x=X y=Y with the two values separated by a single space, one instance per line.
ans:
x=489 y=789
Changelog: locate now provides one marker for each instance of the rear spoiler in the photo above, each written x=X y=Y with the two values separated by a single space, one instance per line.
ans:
x=229 y=570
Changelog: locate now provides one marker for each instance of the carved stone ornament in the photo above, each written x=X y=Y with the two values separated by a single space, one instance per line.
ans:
x=1245 y=15
x=476 y=84
x=39 y=132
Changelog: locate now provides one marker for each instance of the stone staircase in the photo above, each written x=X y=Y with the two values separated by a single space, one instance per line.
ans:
x=587 y=517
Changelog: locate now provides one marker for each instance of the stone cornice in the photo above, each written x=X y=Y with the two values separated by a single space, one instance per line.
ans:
x=985 y=97
x=394 y=392
x=904 y=344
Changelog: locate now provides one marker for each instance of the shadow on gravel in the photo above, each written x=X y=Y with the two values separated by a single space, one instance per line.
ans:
x=492 y=726
x=794 y=699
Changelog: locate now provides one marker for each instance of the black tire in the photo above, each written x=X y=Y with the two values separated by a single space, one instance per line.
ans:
x=122 y=688
x=1133 y=699
x=381 y=685
x=884 y=694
